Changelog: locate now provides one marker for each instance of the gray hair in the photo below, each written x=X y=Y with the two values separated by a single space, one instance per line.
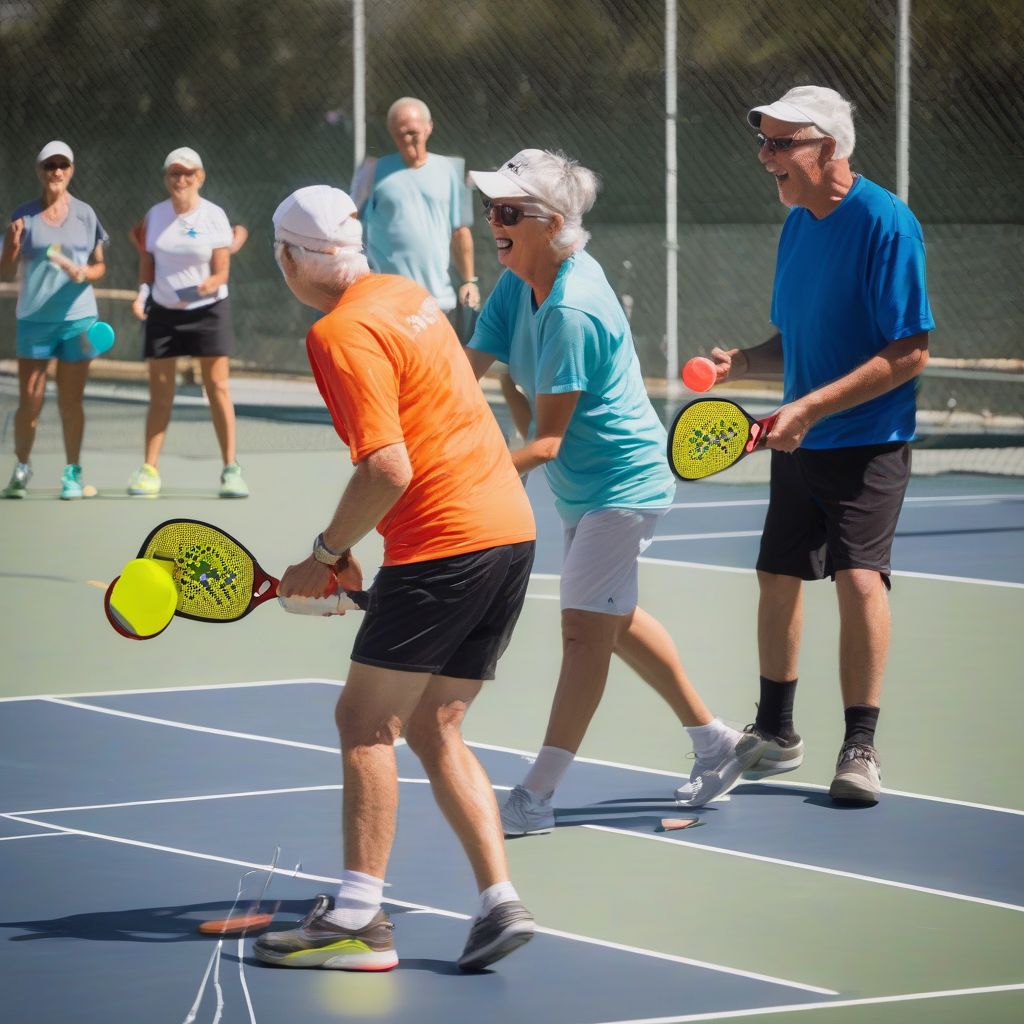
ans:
x=332 y=272
x=568 y=189
x=408 y=101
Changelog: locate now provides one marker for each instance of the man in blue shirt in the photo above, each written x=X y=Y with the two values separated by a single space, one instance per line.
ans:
x=417 y=213
x=851 y=307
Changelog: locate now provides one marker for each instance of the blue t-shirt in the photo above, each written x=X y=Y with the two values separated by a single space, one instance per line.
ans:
x=845 y=287
x=410 y=218
x=613 y=452
x=47 y=295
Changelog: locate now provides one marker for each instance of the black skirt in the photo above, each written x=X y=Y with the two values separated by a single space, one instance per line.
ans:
x=206 y=331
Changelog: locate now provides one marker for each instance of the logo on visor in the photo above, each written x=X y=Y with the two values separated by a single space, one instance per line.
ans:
x=516 y=168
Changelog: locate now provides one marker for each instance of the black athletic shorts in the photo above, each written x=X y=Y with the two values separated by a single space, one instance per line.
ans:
x=205 y=331
x=834 y=509
x=449 y=616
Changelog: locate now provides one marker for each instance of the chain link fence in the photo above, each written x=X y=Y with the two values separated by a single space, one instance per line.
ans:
x=264 y=92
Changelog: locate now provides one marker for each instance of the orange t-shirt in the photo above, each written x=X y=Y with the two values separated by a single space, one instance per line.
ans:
x=391 y=370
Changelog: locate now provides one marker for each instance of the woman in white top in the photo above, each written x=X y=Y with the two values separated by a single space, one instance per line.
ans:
x=183 y=299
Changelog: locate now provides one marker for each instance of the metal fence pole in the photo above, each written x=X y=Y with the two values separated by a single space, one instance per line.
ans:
x=671 y=201
x=903 y=101
x=358 y=84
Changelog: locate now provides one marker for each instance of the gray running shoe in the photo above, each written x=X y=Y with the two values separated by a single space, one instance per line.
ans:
x=858 y=775
x=779 y=755
x=523 y=814
x=507 y=927
x=714 y=777
x=318 y=942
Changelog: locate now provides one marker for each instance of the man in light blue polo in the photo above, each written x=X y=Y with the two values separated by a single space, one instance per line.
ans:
x=417 y=213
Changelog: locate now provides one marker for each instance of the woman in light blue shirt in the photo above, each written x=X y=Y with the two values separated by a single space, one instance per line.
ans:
x=556 y=321
x=57 y=241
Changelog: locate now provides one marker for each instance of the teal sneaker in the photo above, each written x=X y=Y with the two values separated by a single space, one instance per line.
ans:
x=71 y=483
x=232 y=485
x=19 y=481
x=145 y=480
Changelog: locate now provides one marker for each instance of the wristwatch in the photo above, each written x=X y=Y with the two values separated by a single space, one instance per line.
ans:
x=322 y=553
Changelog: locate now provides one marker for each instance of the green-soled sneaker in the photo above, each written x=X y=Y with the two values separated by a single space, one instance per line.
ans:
x=19 y=481
x=232 y=484
x=318 y=942
x=71 y=483
x=144 y=481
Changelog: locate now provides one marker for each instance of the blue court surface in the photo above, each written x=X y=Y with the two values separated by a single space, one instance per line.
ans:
x=139 y=813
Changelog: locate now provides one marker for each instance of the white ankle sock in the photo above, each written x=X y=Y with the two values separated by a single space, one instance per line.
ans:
x=547 y=771
x=359 y=898
x=711 y=739
x=503 y=892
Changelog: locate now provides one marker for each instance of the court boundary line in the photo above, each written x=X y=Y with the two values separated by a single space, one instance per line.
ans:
x=829 y=1004
x=676 y=563
x=405 y=904
x=71 y=701
x=818 y=869
x=800 y=866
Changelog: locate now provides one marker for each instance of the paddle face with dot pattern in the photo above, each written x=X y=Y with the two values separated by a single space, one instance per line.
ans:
x=710 y=434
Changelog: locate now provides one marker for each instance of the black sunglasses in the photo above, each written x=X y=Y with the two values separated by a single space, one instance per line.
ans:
x=775 y=145
x=507 y=215
x=56 y=165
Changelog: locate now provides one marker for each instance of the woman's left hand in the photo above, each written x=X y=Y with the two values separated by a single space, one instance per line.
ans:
x=207 y=287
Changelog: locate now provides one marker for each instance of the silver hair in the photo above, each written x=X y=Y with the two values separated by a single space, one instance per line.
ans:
x=567 y=189
x=408 y=101
x=331 y=271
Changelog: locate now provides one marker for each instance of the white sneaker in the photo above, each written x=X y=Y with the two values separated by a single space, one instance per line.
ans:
x=523 y=814
x=714 y=776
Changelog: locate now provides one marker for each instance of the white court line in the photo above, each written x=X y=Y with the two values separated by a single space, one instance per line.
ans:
x=587 y=939
x=176 y=689
x=724 y=535
x=800 y=866
x=189 y=799
x=215 y=954
x=916 y=500
x=832 y=1004
x=33 y=835
x=241 y=978
x=529 y=754
x=792 y=864
x=134 y=716
x=675 y=562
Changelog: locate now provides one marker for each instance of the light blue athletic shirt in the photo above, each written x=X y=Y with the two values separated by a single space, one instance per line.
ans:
x=47 y=294
x=410 y=218
x=845 y=287
x=613 y=452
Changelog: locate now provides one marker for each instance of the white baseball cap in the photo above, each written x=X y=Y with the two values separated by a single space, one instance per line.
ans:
x=318 y=216
x=55 y=148
x=813 y=104
x=183 y=156
x=516 y=177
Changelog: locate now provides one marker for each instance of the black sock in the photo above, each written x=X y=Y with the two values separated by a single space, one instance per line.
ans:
x=775 y=709
x=861 y=721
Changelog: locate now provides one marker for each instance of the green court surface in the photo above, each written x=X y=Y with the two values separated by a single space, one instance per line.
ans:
x=892 y=951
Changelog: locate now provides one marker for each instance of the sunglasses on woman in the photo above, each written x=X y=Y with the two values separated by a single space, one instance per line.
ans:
x=507 y=215
x=56 y=165
x=777 y=145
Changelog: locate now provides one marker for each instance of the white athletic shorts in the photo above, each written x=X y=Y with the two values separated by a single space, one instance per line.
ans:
x=599 y=564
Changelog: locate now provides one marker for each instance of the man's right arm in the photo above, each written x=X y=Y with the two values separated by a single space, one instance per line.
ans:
x=762 y=362
x=378 y=482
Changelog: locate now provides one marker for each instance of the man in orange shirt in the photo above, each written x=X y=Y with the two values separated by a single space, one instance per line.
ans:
x=433 y=474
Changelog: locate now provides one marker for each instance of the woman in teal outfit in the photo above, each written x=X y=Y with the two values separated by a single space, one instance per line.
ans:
x=57 y=241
